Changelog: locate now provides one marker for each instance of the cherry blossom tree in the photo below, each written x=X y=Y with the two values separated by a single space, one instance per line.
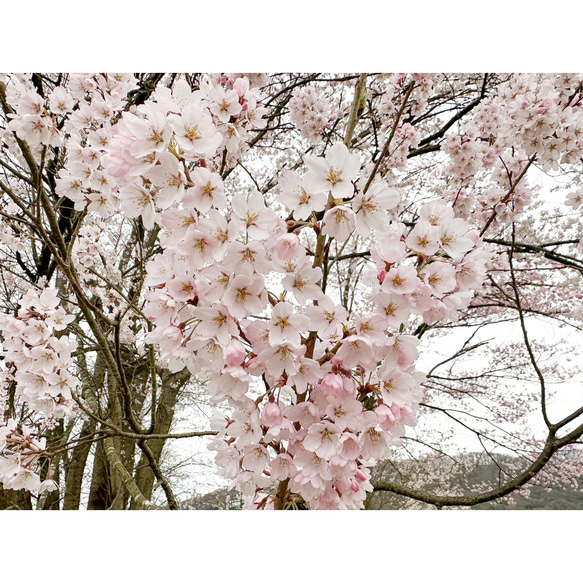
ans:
x=321 y=259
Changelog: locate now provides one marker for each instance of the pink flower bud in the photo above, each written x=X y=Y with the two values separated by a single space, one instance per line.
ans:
x=235 y=353
x=332 y=385
x=272 y=415
x=360 y=476
x=287 y=247
x=241 y=86
x=385 y=417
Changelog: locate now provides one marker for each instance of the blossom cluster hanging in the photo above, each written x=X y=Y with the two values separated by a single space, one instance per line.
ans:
x=316 y=396
x=41 y=367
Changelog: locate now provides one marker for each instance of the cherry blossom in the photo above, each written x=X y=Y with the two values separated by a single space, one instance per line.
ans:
x=297 y=199
x=333 y=173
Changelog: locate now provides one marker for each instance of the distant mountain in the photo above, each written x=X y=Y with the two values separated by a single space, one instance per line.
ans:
x=222 y=499
x=540 y=499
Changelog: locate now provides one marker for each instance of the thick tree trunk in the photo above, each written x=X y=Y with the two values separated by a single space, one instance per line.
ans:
x=164 y=415
x=106 y=488
x=107 y=491
x=75 y=468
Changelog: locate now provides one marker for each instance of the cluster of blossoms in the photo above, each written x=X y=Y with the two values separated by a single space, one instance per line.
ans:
x=7 y=235
x=548 y=114
x=468 y=159
x=317 y=396
x=123 y=165
x=529 y=120
x=35 y=122
x=70 y=113
x=41 y=359
x=310 y=113
x=395 y=84
x=40 y=368
x=83 y=112
x=448 y=265
x=99 y=275
x=19 y=459
x=406 y=136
